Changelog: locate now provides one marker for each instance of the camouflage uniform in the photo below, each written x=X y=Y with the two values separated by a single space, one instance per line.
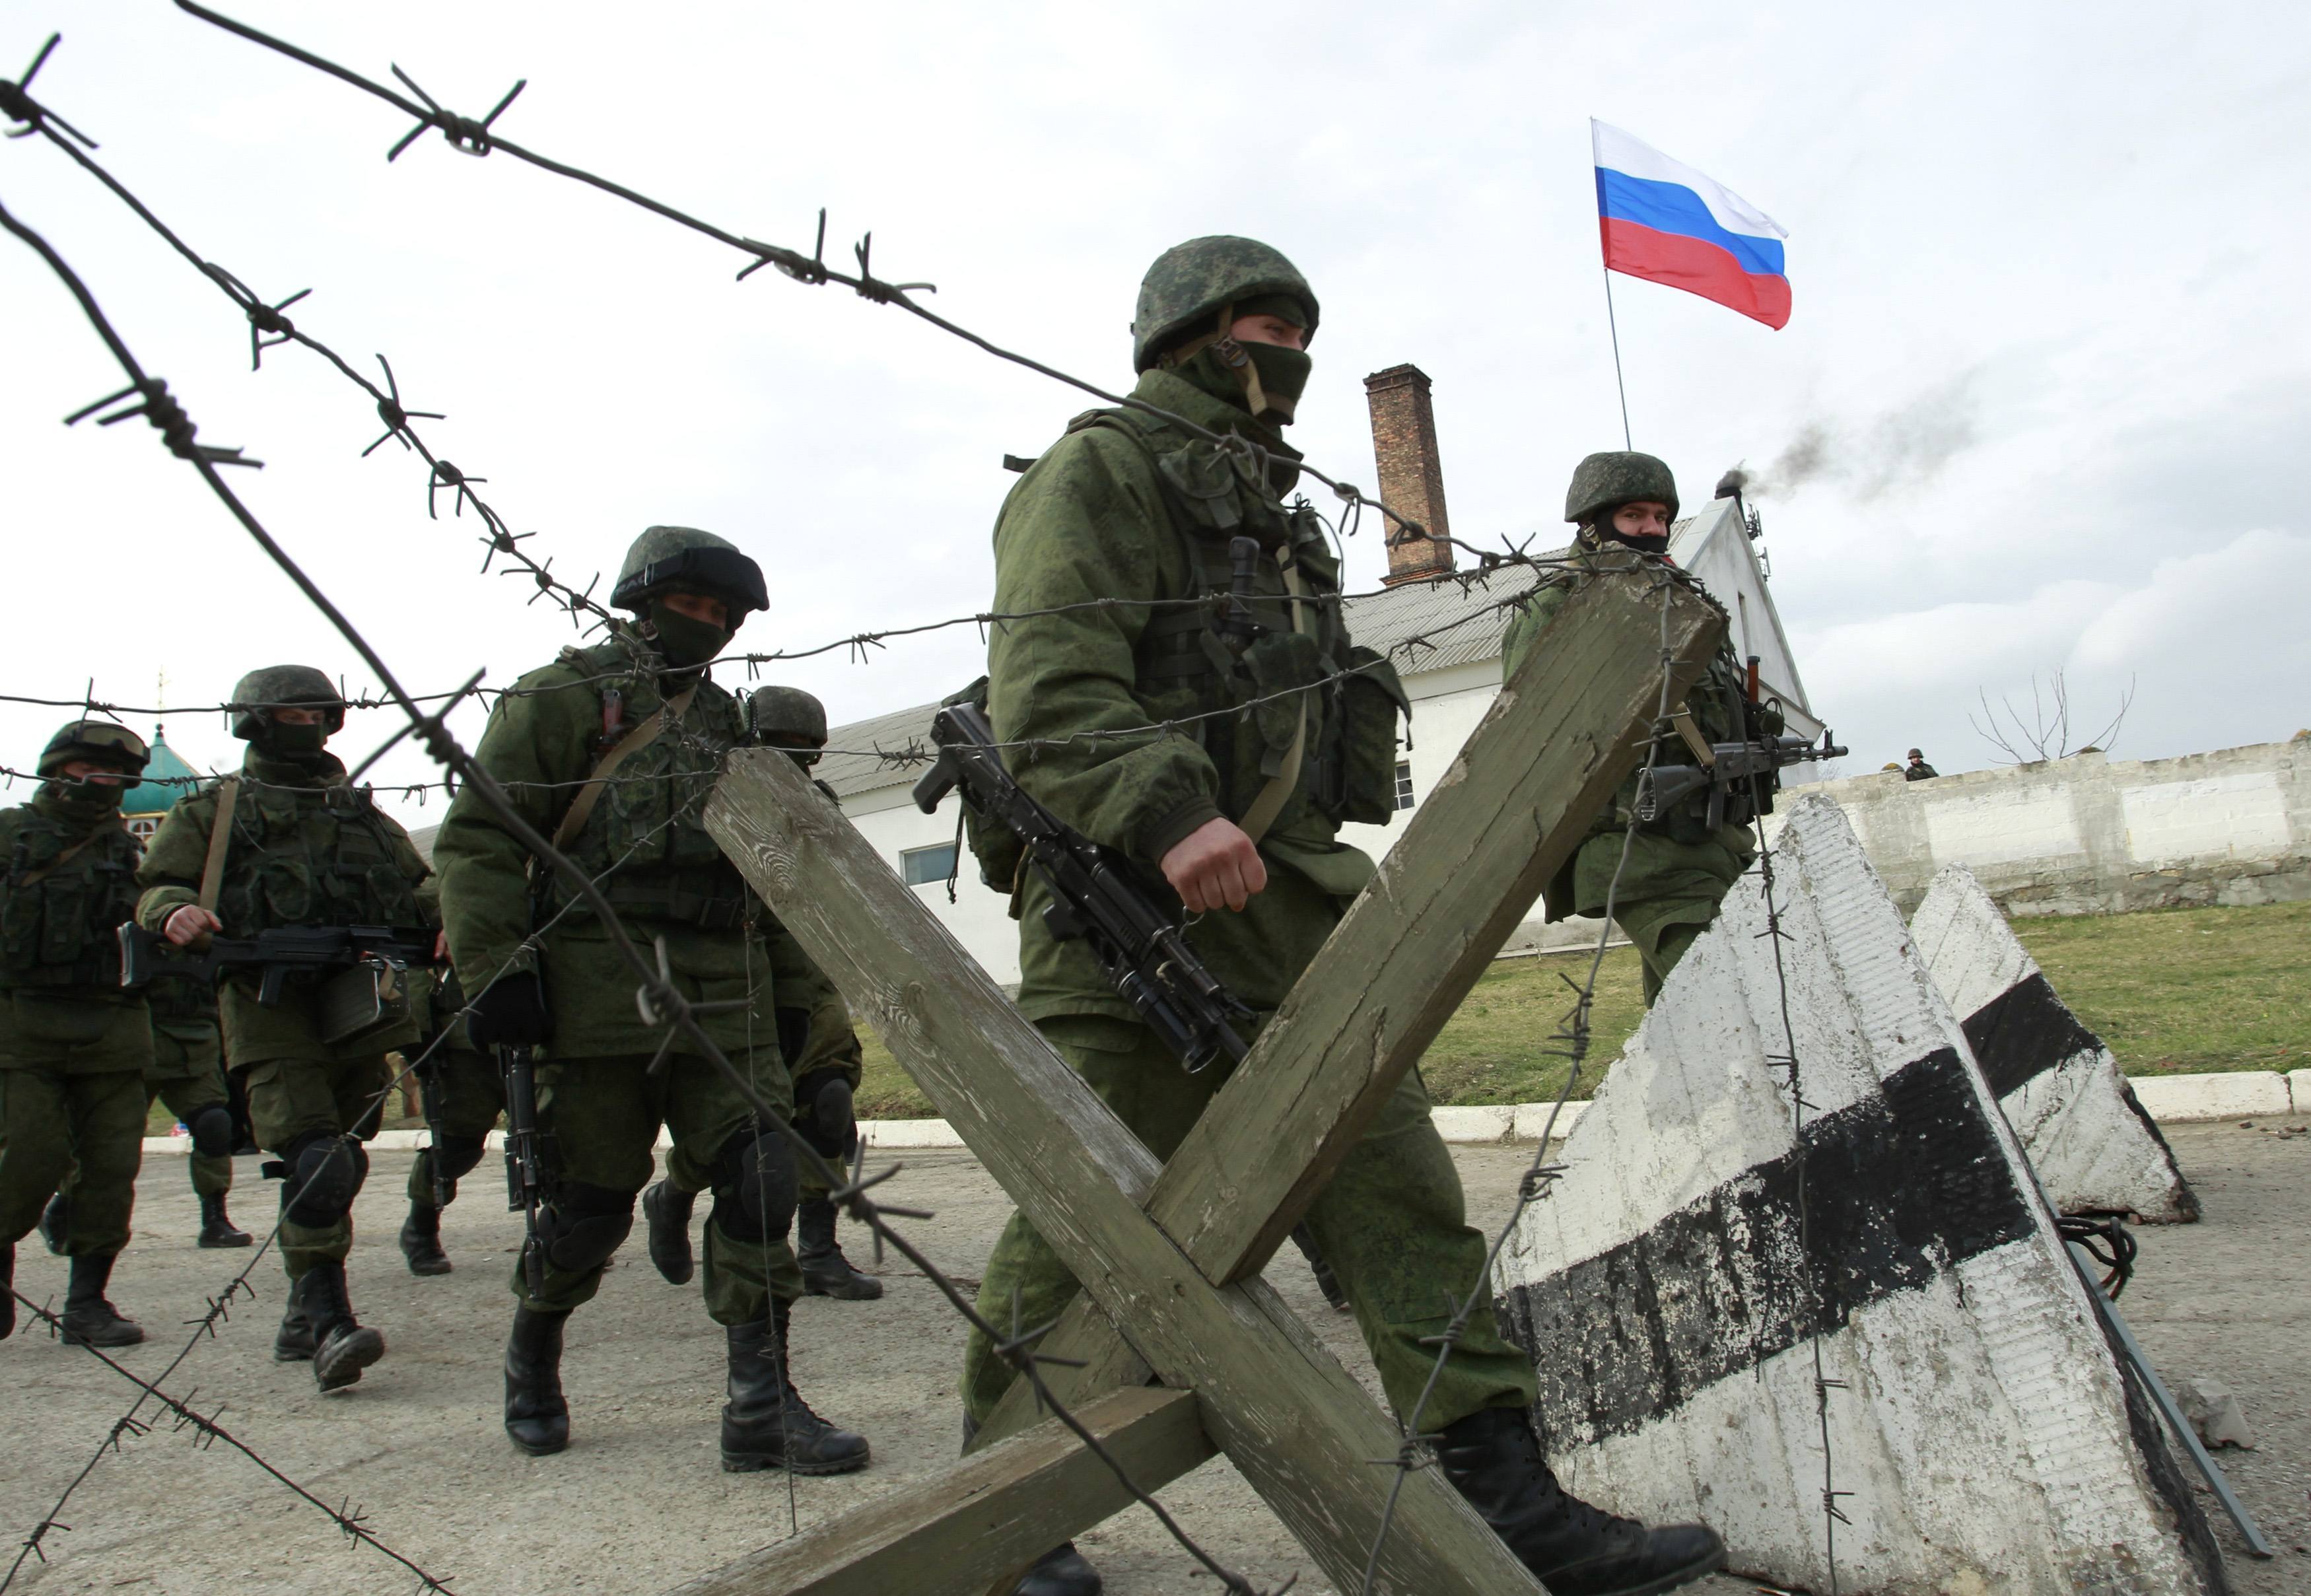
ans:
x=1678 y=868
x=305 y=850
x=74 y=1045
x=464 y=1094
x=1127 y=506
x=599 y=1104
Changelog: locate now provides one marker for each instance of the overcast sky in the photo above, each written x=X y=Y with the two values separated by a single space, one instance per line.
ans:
x=2041 y=404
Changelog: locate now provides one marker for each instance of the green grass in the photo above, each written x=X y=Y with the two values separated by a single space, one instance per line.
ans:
x=2172 y=990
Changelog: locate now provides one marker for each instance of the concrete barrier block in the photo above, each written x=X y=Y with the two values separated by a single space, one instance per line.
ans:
x=1474 y=1123
x=2298 y=1089
x=2238 y=1096
x=1679 y=1314
x=2086 y=1134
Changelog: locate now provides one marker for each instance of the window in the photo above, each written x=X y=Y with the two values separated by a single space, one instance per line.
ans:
x=919 y=867
x=1404 y=784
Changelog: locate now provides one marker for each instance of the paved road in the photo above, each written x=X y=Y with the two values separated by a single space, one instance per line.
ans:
x=638 y=1503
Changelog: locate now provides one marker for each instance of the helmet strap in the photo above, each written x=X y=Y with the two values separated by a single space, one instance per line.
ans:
x=1232 y=355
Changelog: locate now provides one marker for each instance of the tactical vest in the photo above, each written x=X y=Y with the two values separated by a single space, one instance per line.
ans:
x=59 y=923
x=1293 y=663
x=312 y=856
x=646 y=841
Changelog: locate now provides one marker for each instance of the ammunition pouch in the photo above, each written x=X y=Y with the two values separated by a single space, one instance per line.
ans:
x=1355 y=771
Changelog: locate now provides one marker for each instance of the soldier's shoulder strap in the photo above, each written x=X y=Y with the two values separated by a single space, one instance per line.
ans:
x=582 y=807
x=228 y=799
x=71 y=851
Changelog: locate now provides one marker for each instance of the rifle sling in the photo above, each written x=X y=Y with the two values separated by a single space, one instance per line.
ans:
x=219 y=841
x=582 y=807
x=66 y=856
x=1271 y=799
x=1704 y=754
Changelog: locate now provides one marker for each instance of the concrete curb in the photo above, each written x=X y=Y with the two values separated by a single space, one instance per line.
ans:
x=2241 y=1094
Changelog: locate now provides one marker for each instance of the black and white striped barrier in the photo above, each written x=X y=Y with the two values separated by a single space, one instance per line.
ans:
x=1982 y=1432
x=2086 y=1135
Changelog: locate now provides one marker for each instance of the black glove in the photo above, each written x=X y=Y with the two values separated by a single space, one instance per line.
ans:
x=834 y=1128
x=511 y=1012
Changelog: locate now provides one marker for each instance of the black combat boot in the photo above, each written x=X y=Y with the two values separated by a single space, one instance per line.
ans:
x=1494 y=1460
x=1062 y=1571
x=666 y=1217
x=421 y=1240
x=90 y=1321
x=537 y=1417
x=342 y=1346
x=56 y=1223
x=766 y=1424
x=292 y=1343
x=217 y=1228
x=825 y=1272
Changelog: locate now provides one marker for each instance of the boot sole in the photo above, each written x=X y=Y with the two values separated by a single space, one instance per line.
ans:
x=1710 y=1563
x=107 y=1338
x=431 y=1266
x=539 y=1449
x=344 y=1362
x=237 y=1239
x=756 y=1463
x=846 y=1293
x=293 y=1355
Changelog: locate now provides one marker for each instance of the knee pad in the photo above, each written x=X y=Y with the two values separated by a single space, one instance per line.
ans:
x=834 y=1127
x=583 y=1225
x=324 y=1175
x=211 y=1128
x=754 y=1186
x=455 y=1156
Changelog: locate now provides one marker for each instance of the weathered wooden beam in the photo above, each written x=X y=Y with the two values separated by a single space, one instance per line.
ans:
x=958 y=1532
x=1296 y=1424
x=1506 y=816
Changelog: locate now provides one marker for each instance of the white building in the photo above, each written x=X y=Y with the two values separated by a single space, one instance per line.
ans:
x=1450 y=680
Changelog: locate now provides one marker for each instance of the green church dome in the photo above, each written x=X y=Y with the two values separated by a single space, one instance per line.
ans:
x=166 y=778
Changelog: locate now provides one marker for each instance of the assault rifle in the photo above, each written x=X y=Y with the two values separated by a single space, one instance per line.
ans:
x=525 y=1159
x=1093 y=897
x=1731 y=774
x=282 y=953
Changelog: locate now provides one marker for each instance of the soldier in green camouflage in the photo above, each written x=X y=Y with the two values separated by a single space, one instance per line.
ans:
x=75 y=1046
x=186 y=1075
x=611 y=753
x=1268 y=739
x=464 y=1093
x=815 y=1033
x=1678 y=868
x=288 y=843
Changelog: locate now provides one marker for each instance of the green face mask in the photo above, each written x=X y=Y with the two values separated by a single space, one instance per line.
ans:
x=297 y=744
x=84 y=802
x=685 y=642
x=1283 y=378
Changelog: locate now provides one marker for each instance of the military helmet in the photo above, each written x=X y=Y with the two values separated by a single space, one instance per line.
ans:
x=786 y=712
x=1604 y=481
x=682 y=559
x=1191 y=283
x=278 y=686
x=103 y=741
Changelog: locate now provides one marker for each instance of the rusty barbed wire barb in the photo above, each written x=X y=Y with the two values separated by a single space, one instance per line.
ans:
x=657 y=993
x=17 y=104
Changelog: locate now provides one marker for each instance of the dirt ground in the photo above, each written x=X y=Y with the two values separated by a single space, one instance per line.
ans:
x=638 y=1504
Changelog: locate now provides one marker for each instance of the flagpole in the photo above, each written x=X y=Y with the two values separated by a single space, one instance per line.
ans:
x=1618 y=381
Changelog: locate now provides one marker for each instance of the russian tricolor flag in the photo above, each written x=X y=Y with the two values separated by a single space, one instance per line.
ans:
x=1666 y=222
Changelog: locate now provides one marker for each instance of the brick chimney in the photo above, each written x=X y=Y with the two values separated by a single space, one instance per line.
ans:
x=1411 y=478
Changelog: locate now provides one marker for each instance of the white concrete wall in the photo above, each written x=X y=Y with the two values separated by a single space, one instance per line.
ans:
x=2087 y=835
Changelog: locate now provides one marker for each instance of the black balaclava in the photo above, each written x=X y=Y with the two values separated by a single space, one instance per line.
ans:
x=1603 y=530
x=296 y=744
x=686 y=641
x=84 y=800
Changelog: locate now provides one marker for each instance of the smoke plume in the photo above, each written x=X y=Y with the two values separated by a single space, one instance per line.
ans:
x=1903 y=447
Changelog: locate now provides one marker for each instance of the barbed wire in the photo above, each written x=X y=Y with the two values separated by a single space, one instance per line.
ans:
x=658 y=994
x=208 y=1431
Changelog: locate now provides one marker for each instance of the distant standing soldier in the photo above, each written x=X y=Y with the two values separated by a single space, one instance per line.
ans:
x=816 y=1033
x=1222 y=760
x=1918 y=770
x=611 y=753
x=1679 y=867
x=287 y=843
x=188 y=1076
x=75 y=1046
x=463 y=1093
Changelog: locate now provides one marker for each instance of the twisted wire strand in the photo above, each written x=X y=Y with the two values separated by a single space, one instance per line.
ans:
x=849 y=1188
